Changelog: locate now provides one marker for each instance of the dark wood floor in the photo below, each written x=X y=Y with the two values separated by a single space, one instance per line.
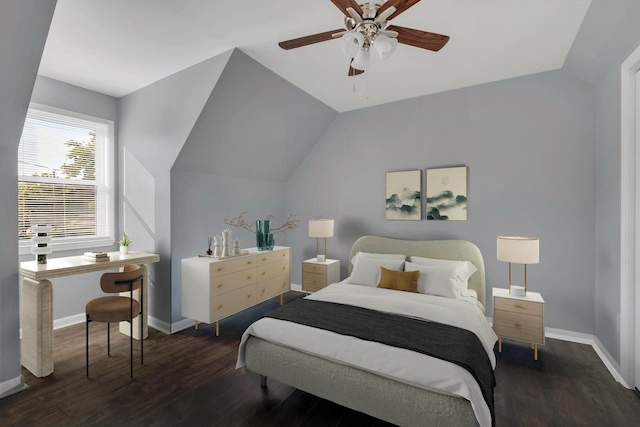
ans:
x=189 y=379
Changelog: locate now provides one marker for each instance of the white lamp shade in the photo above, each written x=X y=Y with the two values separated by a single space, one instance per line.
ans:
x=361 y=61
x=320 y=228
x=519 y=250
x=385 y=46
x=351 y=42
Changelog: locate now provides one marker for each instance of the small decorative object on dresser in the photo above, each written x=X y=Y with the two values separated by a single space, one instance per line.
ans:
x=519 y=250
x=319 y=274
x=210 y=241
x=321 y=229
x=518 y=317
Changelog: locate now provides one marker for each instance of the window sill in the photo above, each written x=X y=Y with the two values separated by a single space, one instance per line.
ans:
x=25 y=247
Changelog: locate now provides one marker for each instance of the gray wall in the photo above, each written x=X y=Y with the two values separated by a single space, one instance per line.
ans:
x=23 y=32
x=71 y=293
x=154 y=123
x=252 y=134
x=529 y=146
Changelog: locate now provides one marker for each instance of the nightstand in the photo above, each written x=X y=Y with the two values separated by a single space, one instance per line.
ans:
x=519 y=318
x=316 y=274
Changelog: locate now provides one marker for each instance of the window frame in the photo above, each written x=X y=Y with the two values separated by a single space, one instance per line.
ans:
x=107 y=187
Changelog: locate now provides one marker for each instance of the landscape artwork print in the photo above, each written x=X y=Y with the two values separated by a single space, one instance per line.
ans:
x=447 y=194
x=403 y=193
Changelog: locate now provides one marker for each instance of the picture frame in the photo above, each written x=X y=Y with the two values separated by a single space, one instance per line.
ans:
x=403 y=195
x=446 y=194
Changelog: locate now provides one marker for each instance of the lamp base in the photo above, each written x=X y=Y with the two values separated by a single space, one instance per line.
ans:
x=517 y=291
x=321 y=258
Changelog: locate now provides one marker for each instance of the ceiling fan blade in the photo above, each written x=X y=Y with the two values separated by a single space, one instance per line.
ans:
x=400 y=5
x=418 y=38
x=381 y=17
x=307 y=40
x=353 y=71
x=344 y=4
x=354 y=15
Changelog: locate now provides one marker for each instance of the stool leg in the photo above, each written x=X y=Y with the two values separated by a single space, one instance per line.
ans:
x=141 y=322
x=87 y=344
x=108 y=340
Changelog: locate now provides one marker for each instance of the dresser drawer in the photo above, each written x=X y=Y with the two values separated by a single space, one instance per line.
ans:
x=524 y=327
x=232 y=302
x=267 y=257
x=229 y=282
x=272 y=287
x=274 y=269
x=312 y=282
x=314 y=268
x=231 y=265
x=518 y=306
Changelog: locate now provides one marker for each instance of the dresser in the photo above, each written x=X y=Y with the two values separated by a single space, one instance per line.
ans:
x=518 y=317
x=318 y=274
x=213 y=289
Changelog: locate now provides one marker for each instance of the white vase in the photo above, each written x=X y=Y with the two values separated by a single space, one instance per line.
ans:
x=124 y=250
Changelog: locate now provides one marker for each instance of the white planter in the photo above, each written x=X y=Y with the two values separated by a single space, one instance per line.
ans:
x=124 y=250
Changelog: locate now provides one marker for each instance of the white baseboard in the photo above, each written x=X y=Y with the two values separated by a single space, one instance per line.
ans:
x=12 y=386
x=68 y=321
x=181 y=325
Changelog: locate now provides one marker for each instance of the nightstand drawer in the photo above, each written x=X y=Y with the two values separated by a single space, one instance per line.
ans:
x=312 y=282
x=519 y=326
x=518 y=306
x=314 y=268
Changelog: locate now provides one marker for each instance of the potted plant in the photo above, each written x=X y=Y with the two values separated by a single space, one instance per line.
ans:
x=124 y=244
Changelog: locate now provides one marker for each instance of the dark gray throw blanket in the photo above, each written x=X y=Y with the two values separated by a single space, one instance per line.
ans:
x=438 y=340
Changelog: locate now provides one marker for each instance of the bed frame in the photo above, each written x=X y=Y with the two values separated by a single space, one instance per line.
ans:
x=378 y=396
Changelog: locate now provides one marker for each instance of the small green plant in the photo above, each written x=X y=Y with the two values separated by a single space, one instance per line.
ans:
x=125 y=241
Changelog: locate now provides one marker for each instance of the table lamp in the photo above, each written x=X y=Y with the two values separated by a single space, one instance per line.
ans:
x=519 y=250
x=321 y=228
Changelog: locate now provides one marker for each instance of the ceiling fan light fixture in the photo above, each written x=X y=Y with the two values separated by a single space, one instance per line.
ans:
x=385 y=46
x=351 y=42
x=361 y=60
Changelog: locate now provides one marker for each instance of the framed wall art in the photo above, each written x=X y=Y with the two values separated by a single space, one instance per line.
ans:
x=403 y=195
x=446 y=194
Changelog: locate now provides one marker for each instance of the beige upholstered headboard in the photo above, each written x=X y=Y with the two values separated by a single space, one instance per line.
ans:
x=458 y=250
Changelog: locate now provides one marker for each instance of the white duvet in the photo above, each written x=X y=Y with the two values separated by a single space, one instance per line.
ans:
x=413 y=368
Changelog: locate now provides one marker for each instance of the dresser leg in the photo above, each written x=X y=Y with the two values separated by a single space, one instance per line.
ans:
x=196 y=324
x=281 y=299
x=217 y=328
x=535 y=352
x=499 y=344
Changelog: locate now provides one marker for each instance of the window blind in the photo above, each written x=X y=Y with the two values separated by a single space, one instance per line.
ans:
x=65 y=175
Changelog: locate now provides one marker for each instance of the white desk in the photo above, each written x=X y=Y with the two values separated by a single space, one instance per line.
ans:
x=37 y=302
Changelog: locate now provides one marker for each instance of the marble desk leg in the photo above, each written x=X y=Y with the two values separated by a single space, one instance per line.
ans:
x=37 y=327
x=124 y=326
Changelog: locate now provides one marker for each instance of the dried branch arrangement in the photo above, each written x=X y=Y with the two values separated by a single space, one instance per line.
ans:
x=239 y=221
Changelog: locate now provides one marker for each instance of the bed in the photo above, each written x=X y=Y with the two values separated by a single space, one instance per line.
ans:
x=388 y=383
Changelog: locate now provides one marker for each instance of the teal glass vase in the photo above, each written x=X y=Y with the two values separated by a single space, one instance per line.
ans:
x=264 y=239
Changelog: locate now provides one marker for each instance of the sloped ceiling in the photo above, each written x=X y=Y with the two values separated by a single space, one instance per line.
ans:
x=119 y=46
x=254 y=125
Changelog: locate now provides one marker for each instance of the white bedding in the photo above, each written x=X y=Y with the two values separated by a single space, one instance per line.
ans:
x=412 y=368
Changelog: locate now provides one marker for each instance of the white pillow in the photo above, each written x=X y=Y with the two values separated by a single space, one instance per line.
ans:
x=437 y=280
x=360 y=255
x=466 y=270
x=367 y=270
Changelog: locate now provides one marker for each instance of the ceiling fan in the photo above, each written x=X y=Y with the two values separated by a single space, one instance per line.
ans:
x=367 y=26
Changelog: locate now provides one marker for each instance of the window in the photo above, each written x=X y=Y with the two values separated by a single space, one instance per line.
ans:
x=65 y=178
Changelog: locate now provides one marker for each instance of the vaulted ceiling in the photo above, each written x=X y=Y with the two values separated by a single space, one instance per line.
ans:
x=119 y=46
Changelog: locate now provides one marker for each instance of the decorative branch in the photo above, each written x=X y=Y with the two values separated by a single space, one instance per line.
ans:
x=239 y=221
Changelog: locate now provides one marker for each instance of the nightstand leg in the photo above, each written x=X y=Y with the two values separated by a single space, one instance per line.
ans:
x=535 y=352
x=499 y=344
x=217 y=328
x=196 y=324
x=281 y=299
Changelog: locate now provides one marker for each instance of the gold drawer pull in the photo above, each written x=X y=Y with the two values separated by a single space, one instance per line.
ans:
x=264 y=259
x=220 y=307
x=264 y=290
x=249 y=262
x=284 y=268
x=517 y=325
x=249 y=296
x=249 y=277
x=221 y=285
x=220 y=268
x=518 y=306
x=264 y=272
